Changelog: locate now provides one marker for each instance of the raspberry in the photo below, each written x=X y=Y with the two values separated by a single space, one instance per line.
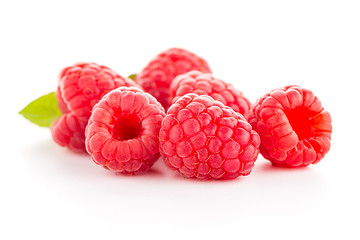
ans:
x=80 y=87
x=206 y=84
x=157 y=76
x=202 y=138
x=122 y=134
x=294 y=128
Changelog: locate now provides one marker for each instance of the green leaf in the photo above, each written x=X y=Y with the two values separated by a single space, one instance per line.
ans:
x=132 y=76
x=42 y=111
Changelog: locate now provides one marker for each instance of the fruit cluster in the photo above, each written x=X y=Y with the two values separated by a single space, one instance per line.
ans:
x=201 y=126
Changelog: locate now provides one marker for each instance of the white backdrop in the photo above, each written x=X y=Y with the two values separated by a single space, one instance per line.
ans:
x=49 y=192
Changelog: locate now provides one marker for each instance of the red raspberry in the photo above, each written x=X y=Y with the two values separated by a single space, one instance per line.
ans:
x=206 y=84
x=203 y=138
x=157 y=76
x=294 y=128
x=80 y=87
x=122 y=134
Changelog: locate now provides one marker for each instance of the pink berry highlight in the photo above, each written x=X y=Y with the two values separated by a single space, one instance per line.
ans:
x=206 y=84
x=202 y=138
x=157 y=76
x=294 y=128
x=122 y=133
x=80 y=87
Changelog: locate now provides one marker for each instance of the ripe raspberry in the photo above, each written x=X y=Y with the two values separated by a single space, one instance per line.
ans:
x=80 y=87
x=206 y=84
x=203 y=138
x=294 y=128
x=122 y=134
x=157 y=76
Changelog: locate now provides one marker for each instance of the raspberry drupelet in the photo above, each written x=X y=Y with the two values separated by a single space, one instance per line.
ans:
x=80 y=87
x=206 y=84
x=202 y=138
x=294 y=128
x=157 y=76
x=122 y=133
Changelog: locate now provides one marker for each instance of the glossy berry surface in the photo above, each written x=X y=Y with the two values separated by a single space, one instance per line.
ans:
x=122 y=134
x=294 y=128
x=157 y=76
x=80 y=87
x=206 y=84
x=202 y=138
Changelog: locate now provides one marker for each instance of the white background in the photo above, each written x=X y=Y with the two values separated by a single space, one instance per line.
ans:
x=48 y=192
